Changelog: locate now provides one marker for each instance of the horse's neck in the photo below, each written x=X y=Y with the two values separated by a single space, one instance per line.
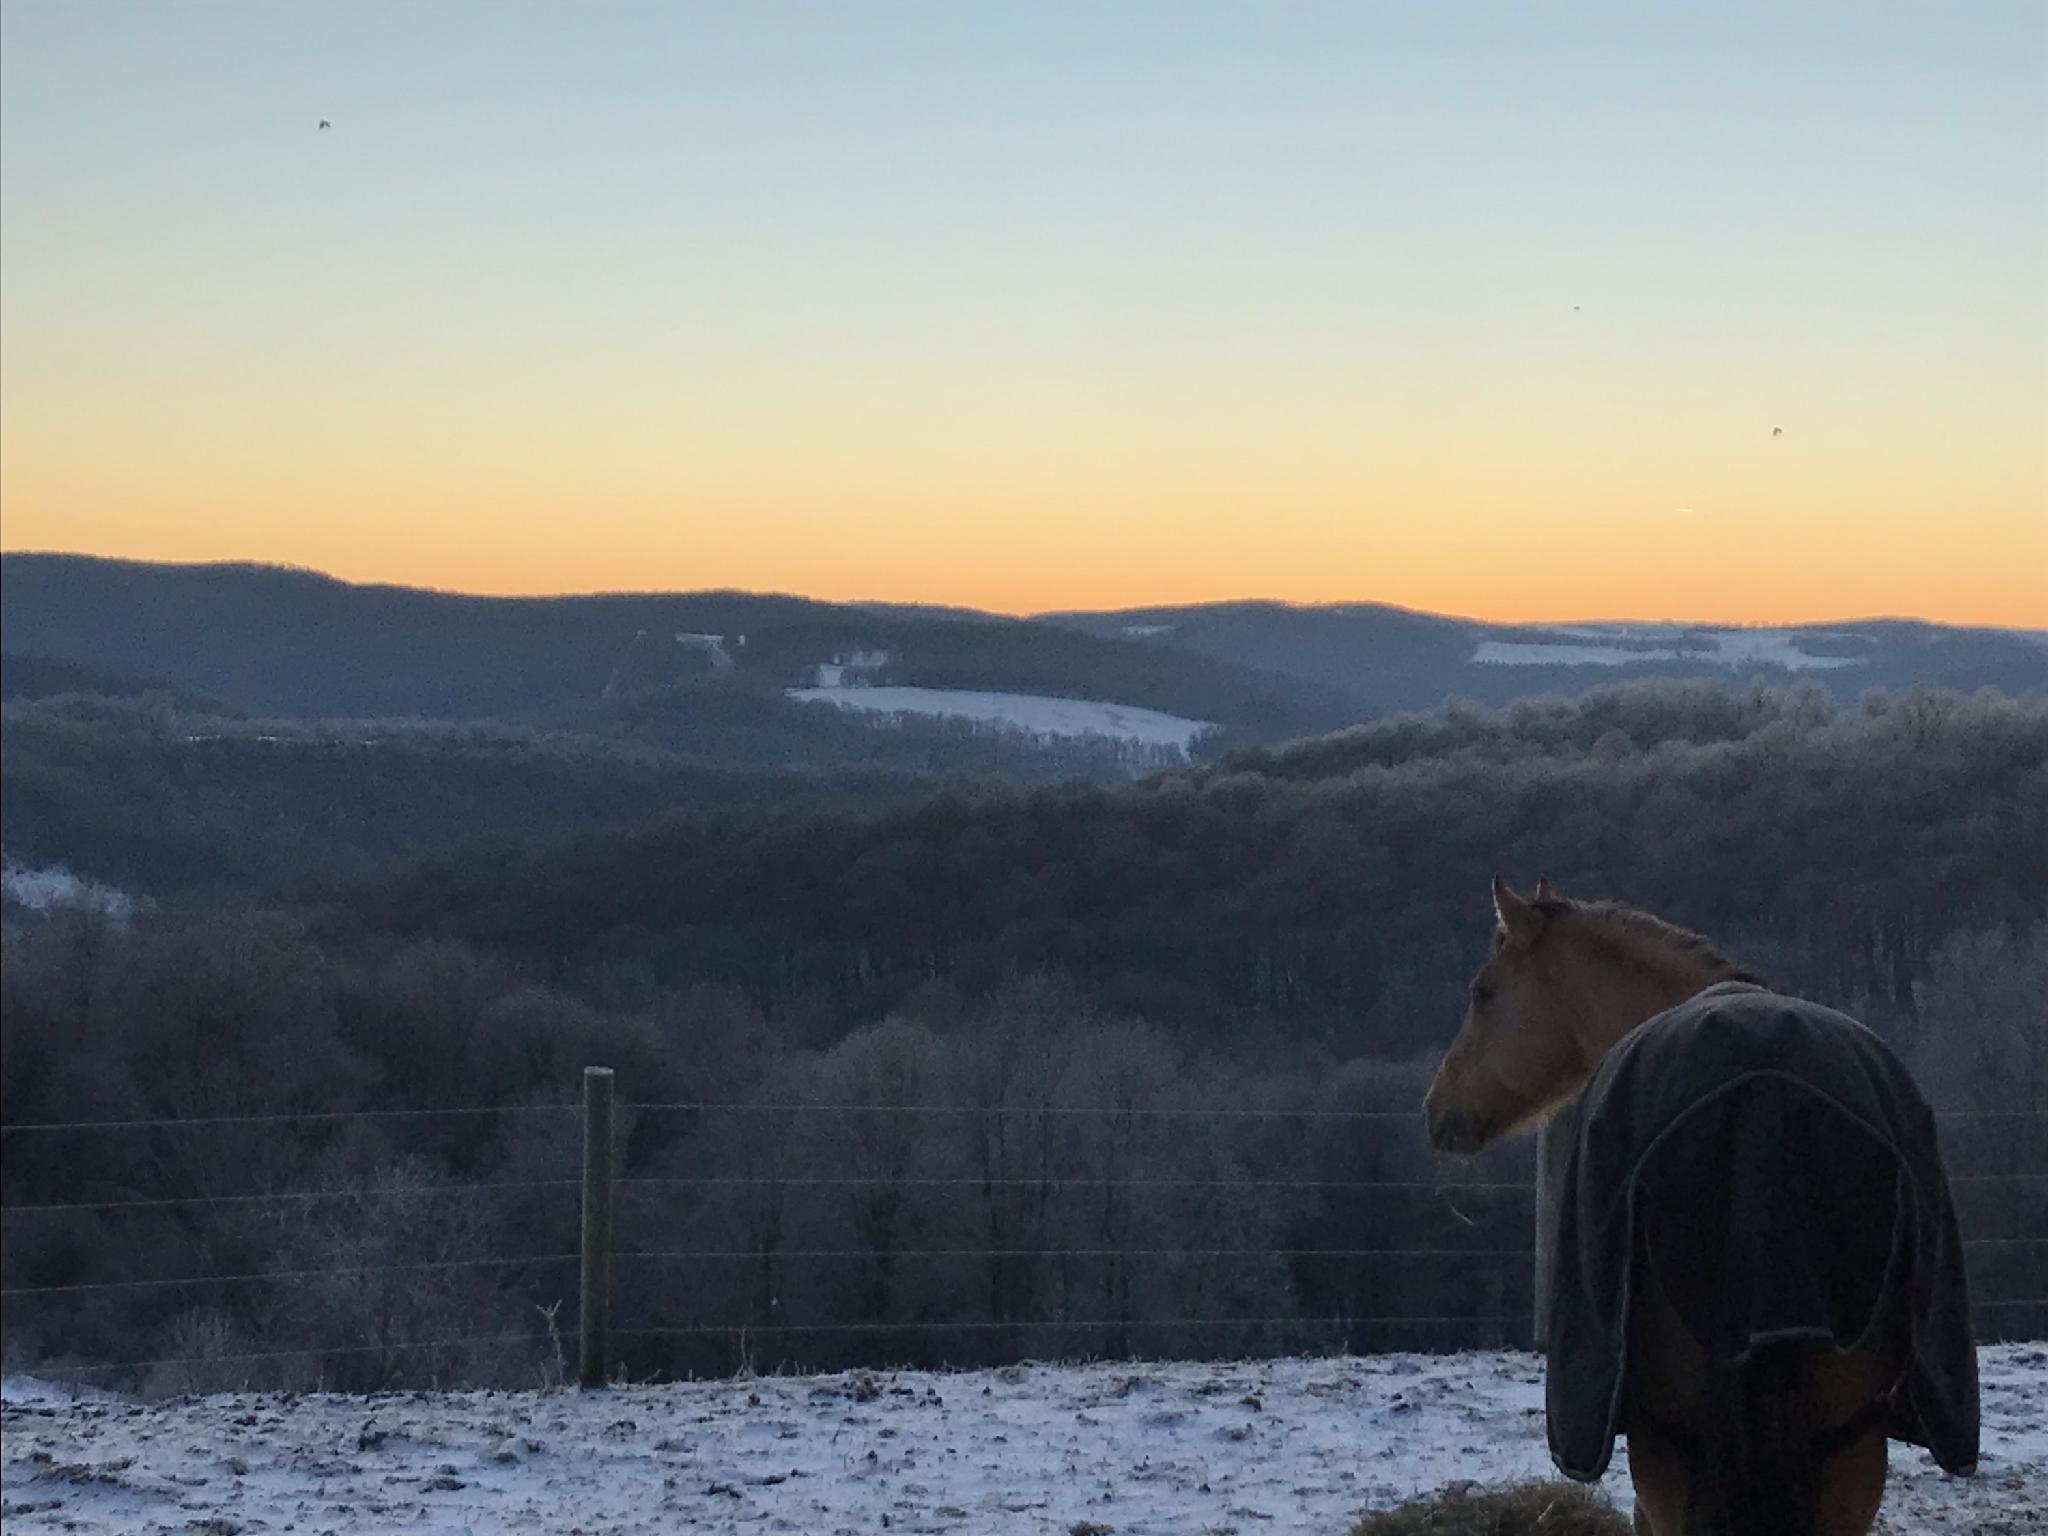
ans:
x=1615 y=1002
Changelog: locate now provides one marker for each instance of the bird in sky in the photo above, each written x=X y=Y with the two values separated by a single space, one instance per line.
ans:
x=325 y=125
x=1777 y=431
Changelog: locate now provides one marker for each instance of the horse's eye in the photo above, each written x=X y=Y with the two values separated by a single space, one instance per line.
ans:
x=1482 y=994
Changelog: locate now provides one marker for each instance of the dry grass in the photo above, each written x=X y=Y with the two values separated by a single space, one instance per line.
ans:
x=1525 y=1509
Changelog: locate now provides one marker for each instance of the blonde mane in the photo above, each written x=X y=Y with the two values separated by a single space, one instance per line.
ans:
x=1638 y=939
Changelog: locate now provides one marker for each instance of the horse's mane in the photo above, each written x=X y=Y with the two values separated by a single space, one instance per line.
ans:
x=1639 y=939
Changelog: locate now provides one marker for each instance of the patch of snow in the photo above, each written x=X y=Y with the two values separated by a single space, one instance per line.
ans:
x=1771 y=648
x=1046 y=718
x=303 y=739
x=844 y=669
x=1731 y=648
x=712 y=645
x=1143 y=1449
x=1518 y=653
x=1146 y=631
x=35 y=1392
x=1617 y=631
x=40 y=890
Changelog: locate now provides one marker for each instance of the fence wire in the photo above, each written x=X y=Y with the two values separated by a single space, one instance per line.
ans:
x=650 y=1186
x=290 y=1197
x=807 y=1106
x=271 y=1276
x=283 y=1117
x=310 y=1352
x=1300 y=1323
x=836 y=1181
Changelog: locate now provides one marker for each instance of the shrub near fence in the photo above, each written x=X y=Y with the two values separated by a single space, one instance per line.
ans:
x=698 y=1237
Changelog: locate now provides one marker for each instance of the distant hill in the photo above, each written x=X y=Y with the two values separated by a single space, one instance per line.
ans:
x=708 y=673
x=192 y=732
x=725 y=678
x=25 y=677
x=1390 y=659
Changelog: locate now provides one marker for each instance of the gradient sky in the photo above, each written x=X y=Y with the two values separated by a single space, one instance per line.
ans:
x=1043 y=305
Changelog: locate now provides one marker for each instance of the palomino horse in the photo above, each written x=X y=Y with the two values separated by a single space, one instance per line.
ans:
x=1757 y=1274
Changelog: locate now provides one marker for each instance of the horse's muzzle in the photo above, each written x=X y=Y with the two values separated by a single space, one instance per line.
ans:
x=1454 y=1131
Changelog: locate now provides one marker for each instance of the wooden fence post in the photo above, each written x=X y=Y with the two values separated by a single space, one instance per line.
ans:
x=1553 y=1152
x=594 y=1320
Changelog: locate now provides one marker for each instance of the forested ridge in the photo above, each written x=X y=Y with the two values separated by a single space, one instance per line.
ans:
x=1103 y=1069
x=1329 y=888
x=293 y=644
x=704 y=674
x=177 y=803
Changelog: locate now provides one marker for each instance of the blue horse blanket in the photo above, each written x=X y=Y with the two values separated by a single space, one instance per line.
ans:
x=1804 y=1163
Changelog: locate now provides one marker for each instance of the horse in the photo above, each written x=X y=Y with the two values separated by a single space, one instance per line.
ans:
x=1757 y=1276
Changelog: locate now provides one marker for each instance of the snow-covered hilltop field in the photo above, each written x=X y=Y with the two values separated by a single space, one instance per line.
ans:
x=1028 y=715
x=1129 y=1449
x=1620 y=645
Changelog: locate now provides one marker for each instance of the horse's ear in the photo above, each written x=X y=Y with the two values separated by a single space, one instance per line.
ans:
x=1522 y=922
x=1545 y=891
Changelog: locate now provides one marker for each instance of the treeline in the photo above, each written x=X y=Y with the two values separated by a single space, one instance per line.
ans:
x=970 y=1180
x=179 y=805
x=1332 y=891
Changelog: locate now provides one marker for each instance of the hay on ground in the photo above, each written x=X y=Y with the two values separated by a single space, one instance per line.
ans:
x=1525 y=1509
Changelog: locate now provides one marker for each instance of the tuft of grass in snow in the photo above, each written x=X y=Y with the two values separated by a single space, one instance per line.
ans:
x=1524 y=1509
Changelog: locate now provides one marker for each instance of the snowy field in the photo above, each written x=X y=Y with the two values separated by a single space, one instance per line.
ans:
x=1596 y=647
x=1029 y=713
x=1111 y=1449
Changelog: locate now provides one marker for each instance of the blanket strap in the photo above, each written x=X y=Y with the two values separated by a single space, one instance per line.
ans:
x=1827 y=1443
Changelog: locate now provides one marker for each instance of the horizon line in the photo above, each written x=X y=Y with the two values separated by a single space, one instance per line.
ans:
x=1021 y=615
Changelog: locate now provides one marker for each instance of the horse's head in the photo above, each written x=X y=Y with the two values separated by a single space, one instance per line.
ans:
x=1518 y=1056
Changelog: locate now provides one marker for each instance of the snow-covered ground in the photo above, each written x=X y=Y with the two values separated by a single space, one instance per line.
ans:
x=1269 y=1446
x=1030 y=713
x=1520 y=653
x=711 y=645
x=849 y=669
x=1731 y=648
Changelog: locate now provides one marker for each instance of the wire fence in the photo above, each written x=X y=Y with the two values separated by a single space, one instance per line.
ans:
x=1061 y=1231
x=1207 y=1113
x=848 y=1181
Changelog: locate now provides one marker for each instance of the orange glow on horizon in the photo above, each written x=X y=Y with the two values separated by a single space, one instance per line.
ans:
x=1623 y=569
x=1640 y=495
